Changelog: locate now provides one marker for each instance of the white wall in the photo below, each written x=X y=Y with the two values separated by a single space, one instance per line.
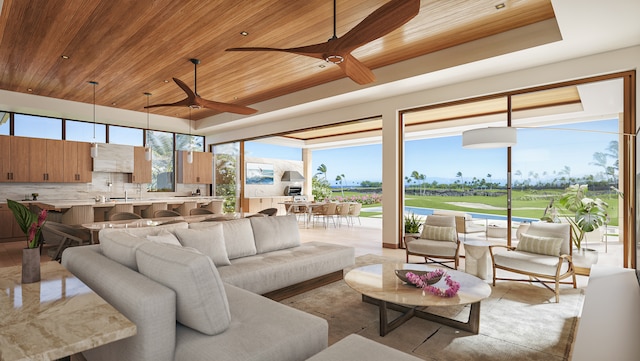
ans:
x=277 y=188
x=610 y=322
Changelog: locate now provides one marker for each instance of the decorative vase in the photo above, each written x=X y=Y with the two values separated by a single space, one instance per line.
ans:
x=30 y=265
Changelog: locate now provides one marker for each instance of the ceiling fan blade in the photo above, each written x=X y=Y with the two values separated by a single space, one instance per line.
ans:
x=314 y=51
x=224 y=107
x=357 y=71
x=185 y=88
x=379 y=23
x=183 y=103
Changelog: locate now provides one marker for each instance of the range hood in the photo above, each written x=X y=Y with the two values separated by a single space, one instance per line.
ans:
x=292 y=176
x=114 y=158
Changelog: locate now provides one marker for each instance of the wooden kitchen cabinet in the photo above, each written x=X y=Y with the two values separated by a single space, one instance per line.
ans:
x=198 y=172
x=46 y=160
x=10 y=230
x=77 y=162
x=14 y=152
x=141 y=167
x=256 y=204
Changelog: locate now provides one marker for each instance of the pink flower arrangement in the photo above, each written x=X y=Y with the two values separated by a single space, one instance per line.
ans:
x=421 y=282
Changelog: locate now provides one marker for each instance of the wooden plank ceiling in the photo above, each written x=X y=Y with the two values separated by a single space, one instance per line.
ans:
x=131 y=47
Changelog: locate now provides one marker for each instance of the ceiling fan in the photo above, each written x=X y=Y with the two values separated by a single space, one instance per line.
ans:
x=337 y=50
x=195 y=101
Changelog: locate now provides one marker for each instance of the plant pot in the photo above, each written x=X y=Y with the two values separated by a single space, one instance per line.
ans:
x=30 y=265
x=583 y=259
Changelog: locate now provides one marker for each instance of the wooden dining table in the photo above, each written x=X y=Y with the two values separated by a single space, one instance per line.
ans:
x=309 y=207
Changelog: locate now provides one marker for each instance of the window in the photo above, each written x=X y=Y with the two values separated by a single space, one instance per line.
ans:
x=4 y=123
x=162 y=164
x=189 y=142
x=37 y=127
x=83 y=131
x=125 y=135
x=226 y=174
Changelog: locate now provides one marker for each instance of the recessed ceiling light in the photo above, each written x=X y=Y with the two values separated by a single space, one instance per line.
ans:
x=29 y=90
x=114 y=103
x=166 y=81
x=235 y=98
x=322 y=66
x=500 y=6
x=64 y=56
x=244 y=33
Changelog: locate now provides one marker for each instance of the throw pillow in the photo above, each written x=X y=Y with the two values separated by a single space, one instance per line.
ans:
x=120 y=246
x=201 y=301
x=209 y=241
x=164 y=236
x=541 y=245
x=438 y=233
x=274 y=233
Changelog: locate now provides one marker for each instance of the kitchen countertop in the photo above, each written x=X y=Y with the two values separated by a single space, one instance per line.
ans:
x=61 y=204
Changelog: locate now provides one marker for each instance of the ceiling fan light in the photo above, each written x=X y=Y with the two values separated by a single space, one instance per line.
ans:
x=147 y=153
x=335 y=59
x=94 y=150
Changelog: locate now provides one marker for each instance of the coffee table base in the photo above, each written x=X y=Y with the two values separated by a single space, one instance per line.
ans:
x=386 y=326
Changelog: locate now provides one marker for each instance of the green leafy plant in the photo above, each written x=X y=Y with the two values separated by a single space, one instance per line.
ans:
x=586 y=214
x=412 y=223
x=30 y=223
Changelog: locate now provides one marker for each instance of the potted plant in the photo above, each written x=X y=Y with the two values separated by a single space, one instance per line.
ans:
x=412 y=224
x=585 y=214
x=31 y=224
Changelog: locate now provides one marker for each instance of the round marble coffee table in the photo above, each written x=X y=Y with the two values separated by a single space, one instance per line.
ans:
x=379 y=285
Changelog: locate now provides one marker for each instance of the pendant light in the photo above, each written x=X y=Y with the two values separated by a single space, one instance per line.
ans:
x=147 y=148
x=94 y=145
x=190 y=151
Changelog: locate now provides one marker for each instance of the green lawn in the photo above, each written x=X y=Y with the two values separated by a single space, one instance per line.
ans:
x=529 y=204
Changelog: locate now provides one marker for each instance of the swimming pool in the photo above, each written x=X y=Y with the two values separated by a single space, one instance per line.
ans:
x=427 y=211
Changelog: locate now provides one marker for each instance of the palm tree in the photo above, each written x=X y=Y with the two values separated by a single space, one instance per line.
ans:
x=459 y=175
x=422 y=178
x=322 y=169
x=489 y=181
x=341 y=178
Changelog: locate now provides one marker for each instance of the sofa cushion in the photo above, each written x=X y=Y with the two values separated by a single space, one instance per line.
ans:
x=238 y=236
x=201 y=301
x=537 y=244
x=120 y=244
x=164 y=236
x=436 y=233
x=274 y=233
x=209 y=241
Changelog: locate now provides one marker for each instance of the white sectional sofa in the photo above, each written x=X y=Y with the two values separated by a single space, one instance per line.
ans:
x=198 y=298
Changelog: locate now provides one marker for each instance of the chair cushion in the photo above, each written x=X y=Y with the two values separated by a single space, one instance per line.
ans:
x=201 y=301
x=530 y=262
x=537 y=244
x=437 y=233
x=209 y=241
x=432 y=248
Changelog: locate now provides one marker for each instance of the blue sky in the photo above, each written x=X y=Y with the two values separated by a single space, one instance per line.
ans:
x=538 y=151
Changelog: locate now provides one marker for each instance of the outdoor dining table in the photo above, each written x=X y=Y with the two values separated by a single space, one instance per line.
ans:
x=308 y=206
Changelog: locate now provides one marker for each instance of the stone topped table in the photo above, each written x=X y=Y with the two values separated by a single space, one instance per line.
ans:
x=54 y=318
x=379 y=285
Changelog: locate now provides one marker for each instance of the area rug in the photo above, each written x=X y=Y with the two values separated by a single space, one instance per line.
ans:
x=519 y=321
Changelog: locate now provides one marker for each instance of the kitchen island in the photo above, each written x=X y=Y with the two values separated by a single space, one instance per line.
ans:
x=80 y=211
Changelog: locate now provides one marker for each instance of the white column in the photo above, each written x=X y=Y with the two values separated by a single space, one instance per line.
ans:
x=307 y=171
x=391 y=186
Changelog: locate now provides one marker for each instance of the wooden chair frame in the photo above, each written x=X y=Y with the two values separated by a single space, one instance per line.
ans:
x=543 y=279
